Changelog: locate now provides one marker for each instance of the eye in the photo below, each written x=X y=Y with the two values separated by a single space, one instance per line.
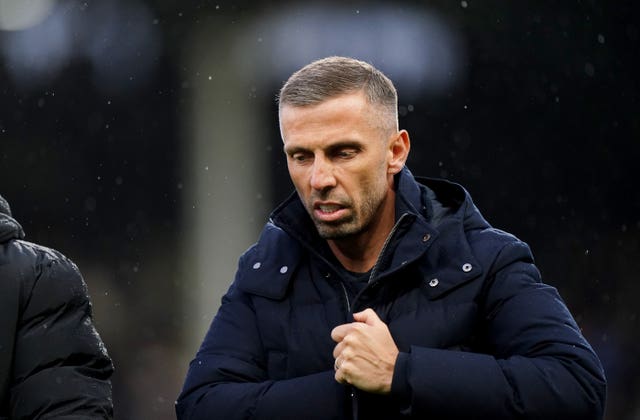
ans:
x=300 y=157
x=346 y=153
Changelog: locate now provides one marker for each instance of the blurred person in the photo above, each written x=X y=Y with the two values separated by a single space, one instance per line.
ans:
x=372 y=293
x=53 y=363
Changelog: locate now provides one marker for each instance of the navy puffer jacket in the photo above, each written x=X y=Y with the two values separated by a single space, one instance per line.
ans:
x=480 y=336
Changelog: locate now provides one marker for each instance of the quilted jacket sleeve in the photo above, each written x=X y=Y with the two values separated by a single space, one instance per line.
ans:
x=228 y=378
x=537 y=364
x=61 y=368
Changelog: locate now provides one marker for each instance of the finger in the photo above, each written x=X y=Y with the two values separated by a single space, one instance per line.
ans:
x=337 y=350
x=340 y=374
x=368 y=316
x=339 y=332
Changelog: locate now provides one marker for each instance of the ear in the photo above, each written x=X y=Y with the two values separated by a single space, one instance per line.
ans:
x=399 y=147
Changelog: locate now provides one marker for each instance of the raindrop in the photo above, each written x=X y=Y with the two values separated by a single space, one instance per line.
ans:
x=464 y=4
x=601 y=38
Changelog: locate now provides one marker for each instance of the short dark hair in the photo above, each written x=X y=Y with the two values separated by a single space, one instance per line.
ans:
x=334 y=76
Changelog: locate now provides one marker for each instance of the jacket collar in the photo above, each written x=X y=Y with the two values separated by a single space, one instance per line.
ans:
x=432 y=216
x=294 y=219
x=9 y=227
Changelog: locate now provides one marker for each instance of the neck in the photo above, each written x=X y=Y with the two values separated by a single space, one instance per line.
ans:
x=358 y=258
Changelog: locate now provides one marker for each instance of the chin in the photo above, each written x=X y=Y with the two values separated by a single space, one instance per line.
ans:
x=333 y=232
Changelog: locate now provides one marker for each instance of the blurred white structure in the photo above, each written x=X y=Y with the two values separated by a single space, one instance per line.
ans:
x=22 y=14
x=38 y=38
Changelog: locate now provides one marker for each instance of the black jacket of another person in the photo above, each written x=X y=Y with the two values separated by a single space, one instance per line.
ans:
x=53 y=363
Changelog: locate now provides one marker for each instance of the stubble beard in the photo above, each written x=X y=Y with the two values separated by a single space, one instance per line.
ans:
x=354 y=223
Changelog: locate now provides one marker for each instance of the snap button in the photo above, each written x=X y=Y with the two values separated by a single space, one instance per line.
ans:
x=466 y=267
x=256 y=265
x=433 y=282
x=426 y=237
x=284 y=269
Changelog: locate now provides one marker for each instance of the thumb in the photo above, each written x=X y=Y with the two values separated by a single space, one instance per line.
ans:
x=368 y=316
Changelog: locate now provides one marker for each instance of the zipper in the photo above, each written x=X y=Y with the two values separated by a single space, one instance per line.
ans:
x=375 y=268
x=346 y=298
x=374 y=271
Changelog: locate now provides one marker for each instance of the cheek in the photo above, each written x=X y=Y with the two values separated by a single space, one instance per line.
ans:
x=299 y=179
x=375 y=176
x=370 y=183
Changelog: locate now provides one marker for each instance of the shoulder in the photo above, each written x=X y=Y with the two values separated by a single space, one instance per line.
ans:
x=497 y=248
x=456 y=216
x=266 y=268
x=44 y=276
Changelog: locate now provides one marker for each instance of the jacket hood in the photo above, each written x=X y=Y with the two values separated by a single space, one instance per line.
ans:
x=451 y=200
x=9 y=227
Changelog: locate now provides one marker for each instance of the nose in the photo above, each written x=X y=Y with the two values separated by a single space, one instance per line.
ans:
x=322 y=175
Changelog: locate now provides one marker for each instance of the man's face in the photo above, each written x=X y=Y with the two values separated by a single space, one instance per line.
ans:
x=339 y=161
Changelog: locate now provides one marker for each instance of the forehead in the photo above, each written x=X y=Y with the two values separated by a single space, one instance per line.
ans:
x=335 y=116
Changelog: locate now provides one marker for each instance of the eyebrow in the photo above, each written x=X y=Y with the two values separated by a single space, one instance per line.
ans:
x=292 y=150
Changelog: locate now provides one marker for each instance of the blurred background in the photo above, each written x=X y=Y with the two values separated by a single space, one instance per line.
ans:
x=140 y=138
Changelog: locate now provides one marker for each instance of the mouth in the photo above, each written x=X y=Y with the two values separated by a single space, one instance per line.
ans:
x=328 y=212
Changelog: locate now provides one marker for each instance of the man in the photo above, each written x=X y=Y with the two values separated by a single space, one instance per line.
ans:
x=372 y=294
x=53 y=363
